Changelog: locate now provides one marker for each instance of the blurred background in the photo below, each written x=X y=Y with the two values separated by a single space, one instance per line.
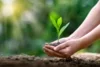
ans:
x=25 y=25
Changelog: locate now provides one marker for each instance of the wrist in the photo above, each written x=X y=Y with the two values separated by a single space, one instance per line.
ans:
x=85 y=41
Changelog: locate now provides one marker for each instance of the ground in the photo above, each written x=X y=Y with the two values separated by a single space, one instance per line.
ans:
x=77 y=60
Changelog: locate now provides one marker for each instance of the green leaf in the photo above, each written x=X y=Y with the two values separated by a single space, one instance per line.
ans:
x=54 y=15
x=62 y=29
x=59 y=22
x=53 y=22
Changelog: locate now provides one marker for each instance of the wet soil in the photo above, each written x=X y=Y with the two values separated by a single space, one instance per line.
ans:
x=77 y=60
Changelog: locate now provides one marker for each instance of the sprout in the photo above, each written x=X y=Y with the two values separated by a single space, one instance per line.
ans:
x=57 y=24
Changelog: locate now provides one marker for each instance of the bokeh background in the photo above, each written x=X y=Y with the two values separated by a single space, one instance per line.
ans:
x=25 y=25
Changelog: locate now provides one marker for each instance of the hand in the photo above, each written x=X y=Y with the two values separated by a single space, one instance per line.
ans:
x=70 y=47
x=49 y=49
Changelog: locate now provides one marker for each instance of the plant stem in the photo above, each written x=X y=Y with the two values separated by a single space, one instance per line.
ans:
x=58 y=40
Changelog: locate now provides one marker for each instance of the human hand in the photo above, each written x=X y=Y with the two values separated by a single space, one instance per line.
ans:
x=70 y=47
x=49 y=49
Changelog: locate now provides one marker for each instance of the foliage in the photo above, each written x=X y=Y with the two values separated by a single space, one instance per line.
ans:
x=57 y=24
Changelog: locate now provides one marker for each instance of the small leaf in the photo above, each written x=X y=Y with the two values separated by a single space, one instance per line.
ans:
x=53 y=22
x=54 y=15
x=59 y=22
x=63 y=28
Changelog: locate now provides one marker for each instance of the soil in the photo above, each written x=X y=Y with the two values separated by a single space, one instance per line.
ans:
x=77 y=60
x=54 y=44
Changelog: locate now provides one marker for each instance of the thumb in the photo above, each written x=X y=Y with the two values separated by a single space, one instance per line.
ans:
x=61 y=46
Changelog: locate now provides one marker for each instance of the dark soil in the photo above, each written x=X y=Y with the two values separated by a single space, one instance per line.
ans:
x=77 y=60
x=54 y=44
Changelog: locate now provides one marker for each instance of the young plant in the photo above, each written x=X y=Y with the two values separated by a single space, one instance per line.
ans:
x=57 y=24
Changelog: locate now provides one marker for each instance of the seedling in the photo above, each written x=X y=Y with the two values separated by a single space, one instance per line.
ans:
x=57 y=24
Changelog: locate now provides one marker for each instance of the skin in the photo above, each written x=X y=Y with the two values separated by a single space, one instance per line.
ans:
x=80 y=39
x=79 y=43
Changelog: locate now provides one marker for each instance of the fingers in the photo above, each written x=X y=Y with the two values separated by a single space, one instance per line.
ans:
x=61 y=46
x=61 y=54
x=50 y=52
x=52 y=48
x=49 y=47
x=66 y=51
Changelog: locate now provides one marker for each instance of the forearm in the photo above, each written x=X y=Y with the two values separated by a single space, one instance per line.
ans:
x=91 y=36
x=91 y=21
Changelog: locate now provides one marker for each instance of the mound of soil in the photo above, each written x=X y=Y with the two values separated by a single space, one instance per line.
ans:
x=77 y=60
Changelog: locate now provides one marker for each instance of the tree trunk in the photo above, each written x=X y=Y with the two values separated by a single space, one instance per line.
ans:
x=77 y=60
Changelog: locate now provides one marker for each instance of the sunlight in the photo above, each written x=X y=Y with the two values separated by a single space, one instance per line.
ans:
x=8 y=7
